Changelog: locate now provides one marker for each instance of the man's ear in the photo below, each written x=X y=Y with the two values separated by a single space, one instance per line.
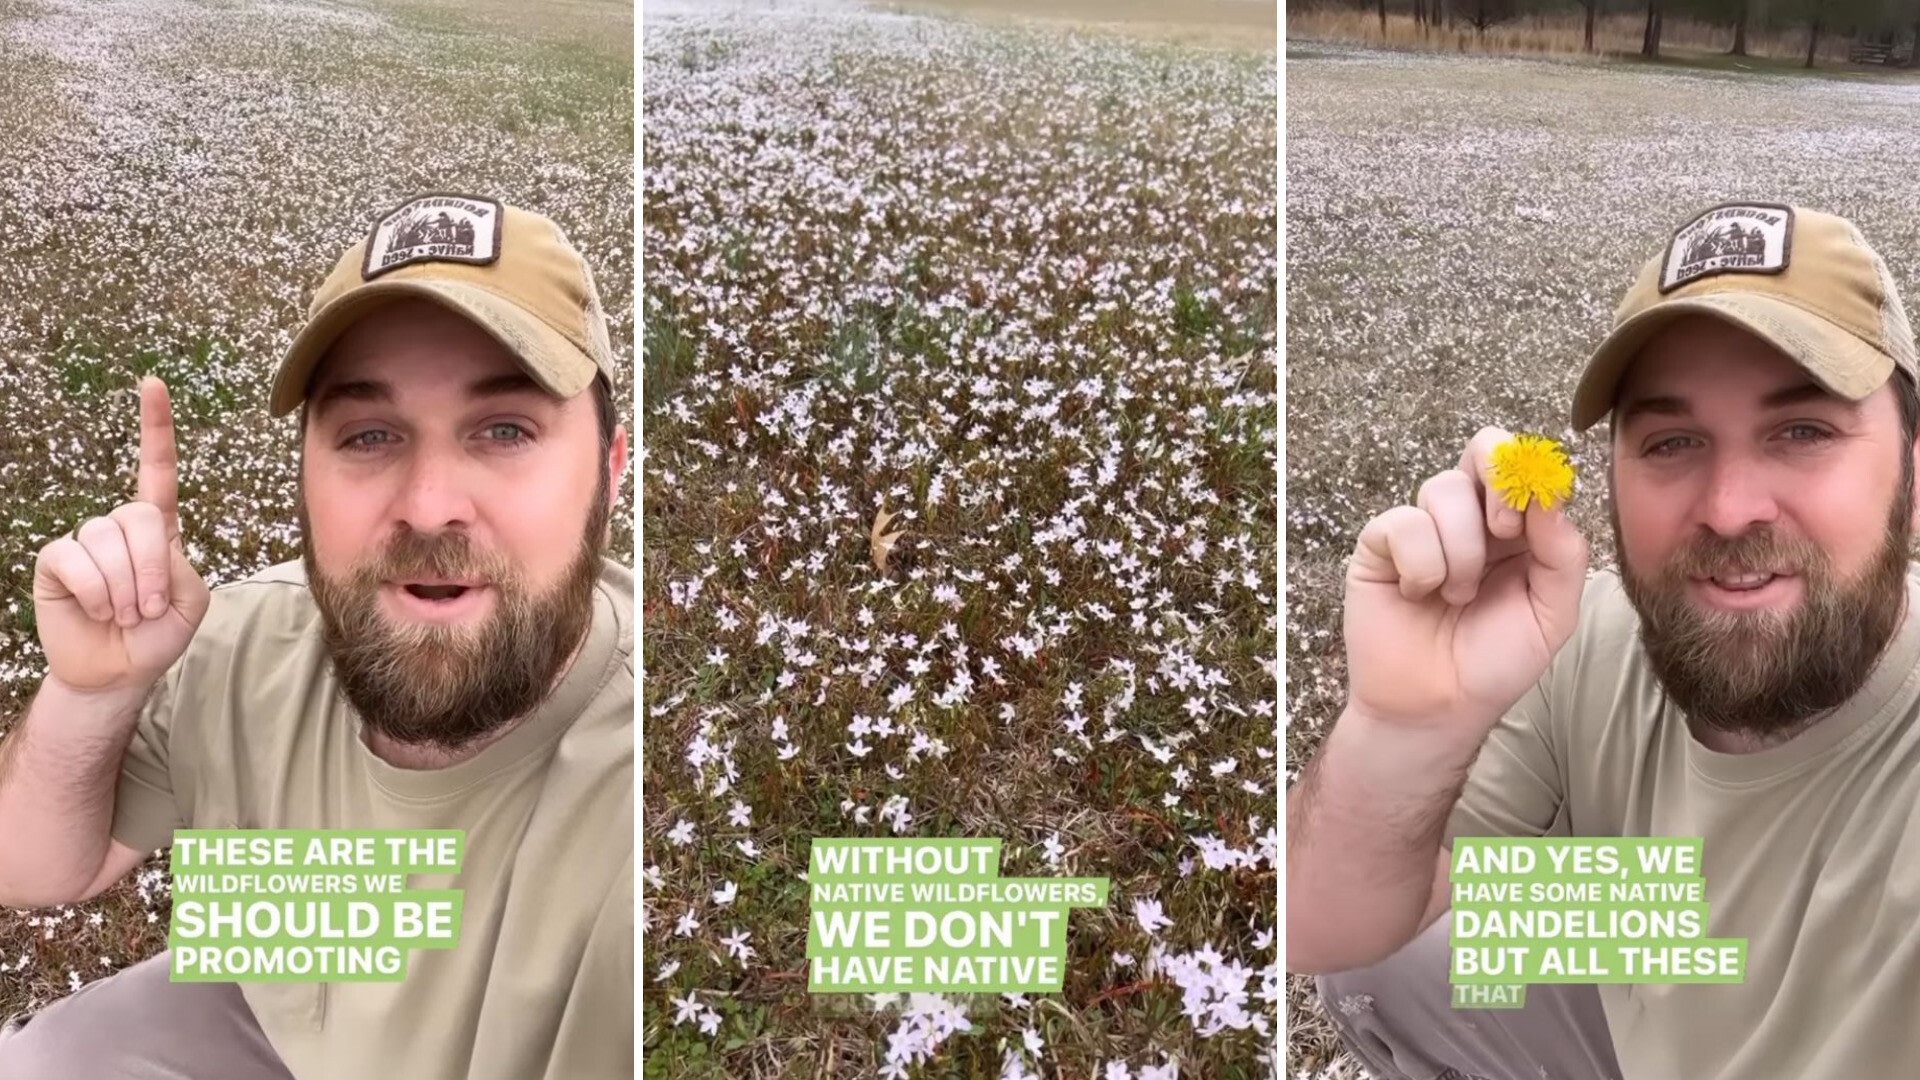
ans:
x=1913 y=518
x=617 y=464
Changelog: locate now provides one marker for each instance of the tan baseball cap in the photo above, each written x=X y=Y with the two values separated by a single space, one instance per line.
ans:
x=1802 y=280
x=509 y=270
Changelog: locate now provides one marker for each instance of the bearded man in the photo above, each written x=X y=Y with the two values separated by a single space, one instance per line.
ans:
x=452 y=651
x=1748 y=678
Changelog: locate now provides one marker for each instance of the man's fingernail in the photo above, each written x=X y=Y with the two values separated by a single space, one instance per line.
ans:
x=156 y=605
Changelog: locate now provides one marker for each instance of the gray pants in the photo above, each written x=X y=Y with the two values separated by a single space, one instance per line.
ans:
x=135 y=1025
x=1398 y=1019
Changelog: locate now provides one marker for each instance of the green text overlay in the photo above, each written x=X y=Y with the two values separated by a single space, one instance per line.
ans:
x=309 y=905
x=900 y=915
x=1581 y=910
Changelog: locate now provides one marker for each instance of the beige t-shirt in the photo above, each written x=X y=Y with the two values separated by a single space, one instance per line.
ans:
x=249 y=730
x=1810 y=852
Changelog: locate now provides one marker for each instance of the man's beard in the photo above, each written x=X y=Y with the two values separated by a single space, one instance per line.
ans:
x=448 y=685
x=1766 y=672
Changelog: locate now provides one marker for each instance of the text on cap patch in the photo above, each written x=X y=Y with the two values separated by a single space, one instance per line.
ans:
x=1738 y=238
x=434 y=228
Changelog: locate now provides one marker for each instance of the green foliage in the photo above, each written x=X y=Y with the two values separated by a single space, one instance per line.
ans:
x=667 y=353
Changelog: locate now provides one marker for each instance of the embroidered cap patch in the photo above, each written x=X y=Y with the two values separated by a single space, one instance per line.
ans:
x=435 y=228
x=1742 y=238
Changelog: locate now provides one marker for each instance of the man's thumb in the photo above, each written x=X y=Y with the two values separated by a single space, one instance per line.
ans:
x=188 y=592
x=1556 y=572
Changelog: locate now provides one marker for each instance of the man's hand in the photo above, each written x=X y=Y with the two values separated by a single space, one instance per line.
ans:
x=116 y=601
x=1456 y=605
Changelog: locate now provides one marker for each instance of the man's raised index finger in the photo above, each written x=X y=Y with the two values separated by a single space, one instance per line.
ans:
x=159 y=462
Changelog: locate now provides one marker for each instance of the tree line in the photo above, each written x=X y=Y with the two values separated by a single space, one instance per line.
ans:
x=1872 y=21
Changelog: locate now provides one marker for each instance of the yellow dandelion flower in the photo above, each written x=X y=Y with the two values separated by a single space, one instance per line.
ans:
x=1531 y=467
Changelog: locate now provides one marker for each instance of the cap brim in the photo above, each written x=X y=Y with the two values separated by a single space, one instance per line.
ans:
x=1837 y=359
x=555 y=363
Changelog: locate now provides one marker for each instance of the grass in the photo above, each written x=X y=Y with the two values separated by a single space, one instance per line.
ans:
x=179 y=178
x=1459 y=231
x=1015 y=286
x=1244 y=24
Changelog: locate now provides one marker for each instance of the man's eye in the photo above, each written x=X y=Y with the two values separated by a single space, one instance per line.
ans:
x=1670 y=446
x=1807 y=433
x=506 y=432
x=366 y=441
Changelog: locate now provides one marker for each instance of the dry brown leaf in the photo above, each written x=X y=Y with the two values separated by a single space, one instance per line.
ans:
x=880 y=542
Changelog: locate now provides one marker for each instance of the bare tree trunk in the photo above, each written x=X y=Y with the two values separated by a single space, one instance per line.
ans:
x=1813 y=39
x=1383 y=18
x=1650 y=41
x=1740 y=32
x=1592 y=6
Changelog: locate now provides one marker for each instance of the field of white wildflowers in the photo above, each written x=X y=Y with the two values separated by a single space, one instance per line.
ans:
x=175 y=180
x=1458 y=233
x=958 y=374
